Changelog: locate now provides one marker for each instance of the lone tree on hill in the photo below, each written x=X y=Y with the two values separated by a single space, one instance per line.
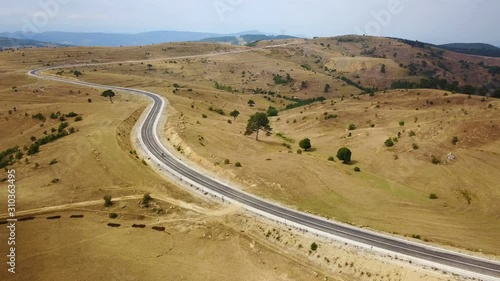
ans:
x=344 y=154
x=234 y=114
x=257 y=122
x=109 y=94
x=305 y=144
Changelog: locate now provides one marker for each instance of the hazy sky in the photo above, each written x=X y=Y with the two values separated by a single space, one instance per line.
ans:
x=435 y=21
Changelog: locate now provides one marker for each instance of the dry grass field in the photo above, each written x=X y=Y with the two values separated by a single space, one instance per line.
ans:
x=390 y=194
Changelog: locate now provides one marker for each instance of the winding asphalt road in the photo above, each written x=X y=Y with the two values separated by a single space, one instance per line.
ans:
x=148 y=137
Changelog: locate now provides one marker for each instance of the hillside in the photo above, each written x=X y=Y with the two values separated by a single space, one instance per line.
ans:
x=375 y=63
x=479 y=49
x=247 y=39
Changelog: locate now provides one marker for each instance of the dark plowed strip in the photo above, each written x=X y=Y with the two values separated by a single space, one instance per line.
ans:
x=3 y=222
x=26 y=219
x=139 y=226
x=76 y=216
x=54 y=218
x=158 y=228
x=114 y=224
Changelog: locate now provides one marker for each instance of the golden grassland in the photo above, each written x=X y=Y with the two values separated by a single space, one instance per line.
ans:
x=390 y=194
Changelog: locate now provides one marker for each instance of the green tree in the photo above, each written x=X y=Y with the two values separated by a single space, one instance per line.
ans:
x=305 y=144
x=146 y=199
x=107 y=201
x=327 y=88
x=344 y=154
x=496 y=94
x=34 y=149
x=389 y=142
x=109 y=94
x=251 y=103
x=150 y=66
x=272 y=111
x=257 y=122
x=234 y=114
x=382 y=68
x=78 y=73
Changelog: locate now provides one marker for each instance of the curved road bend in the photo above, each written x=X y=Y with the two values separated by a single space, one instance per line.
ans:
x=487 y=269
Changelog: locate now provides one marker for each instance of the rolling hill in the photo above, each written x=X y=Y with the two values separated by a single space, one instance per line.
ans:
x=6 y=42
x=479 y=49
x=246 y=39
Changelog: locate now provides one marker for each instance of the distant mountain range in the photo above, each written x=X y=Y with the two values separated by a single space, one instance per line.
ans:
x=246 y=39
x=479 y=49
x=118 y=39
x=16 y=43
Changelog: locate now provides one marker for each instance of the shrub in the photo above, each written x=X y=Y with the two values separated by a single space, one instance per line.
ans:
x=113 y=215
x=146 y=199
x=331 y=158
x=89 y=100
x=299 y=151
x=401 y=123
x=237 y=164
x=53 y=162
x=433 y=196
x=435 y=160
x=107 y=201
x=357 y=169
x=33 y=149
x=227 y=162
x=331 y=116
x=272 y=111
x=204 y=115
x=305 y=144
x=39 y=116
x=415 y=146
x=454 y=140
x=344 y=154
x=19 y=155
x=314 y=246
x=352 y=127
x=71 y=114
x=78 y=119
x=54 y=181
x=389 y=142
x=412 y=134
x=372 y=125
